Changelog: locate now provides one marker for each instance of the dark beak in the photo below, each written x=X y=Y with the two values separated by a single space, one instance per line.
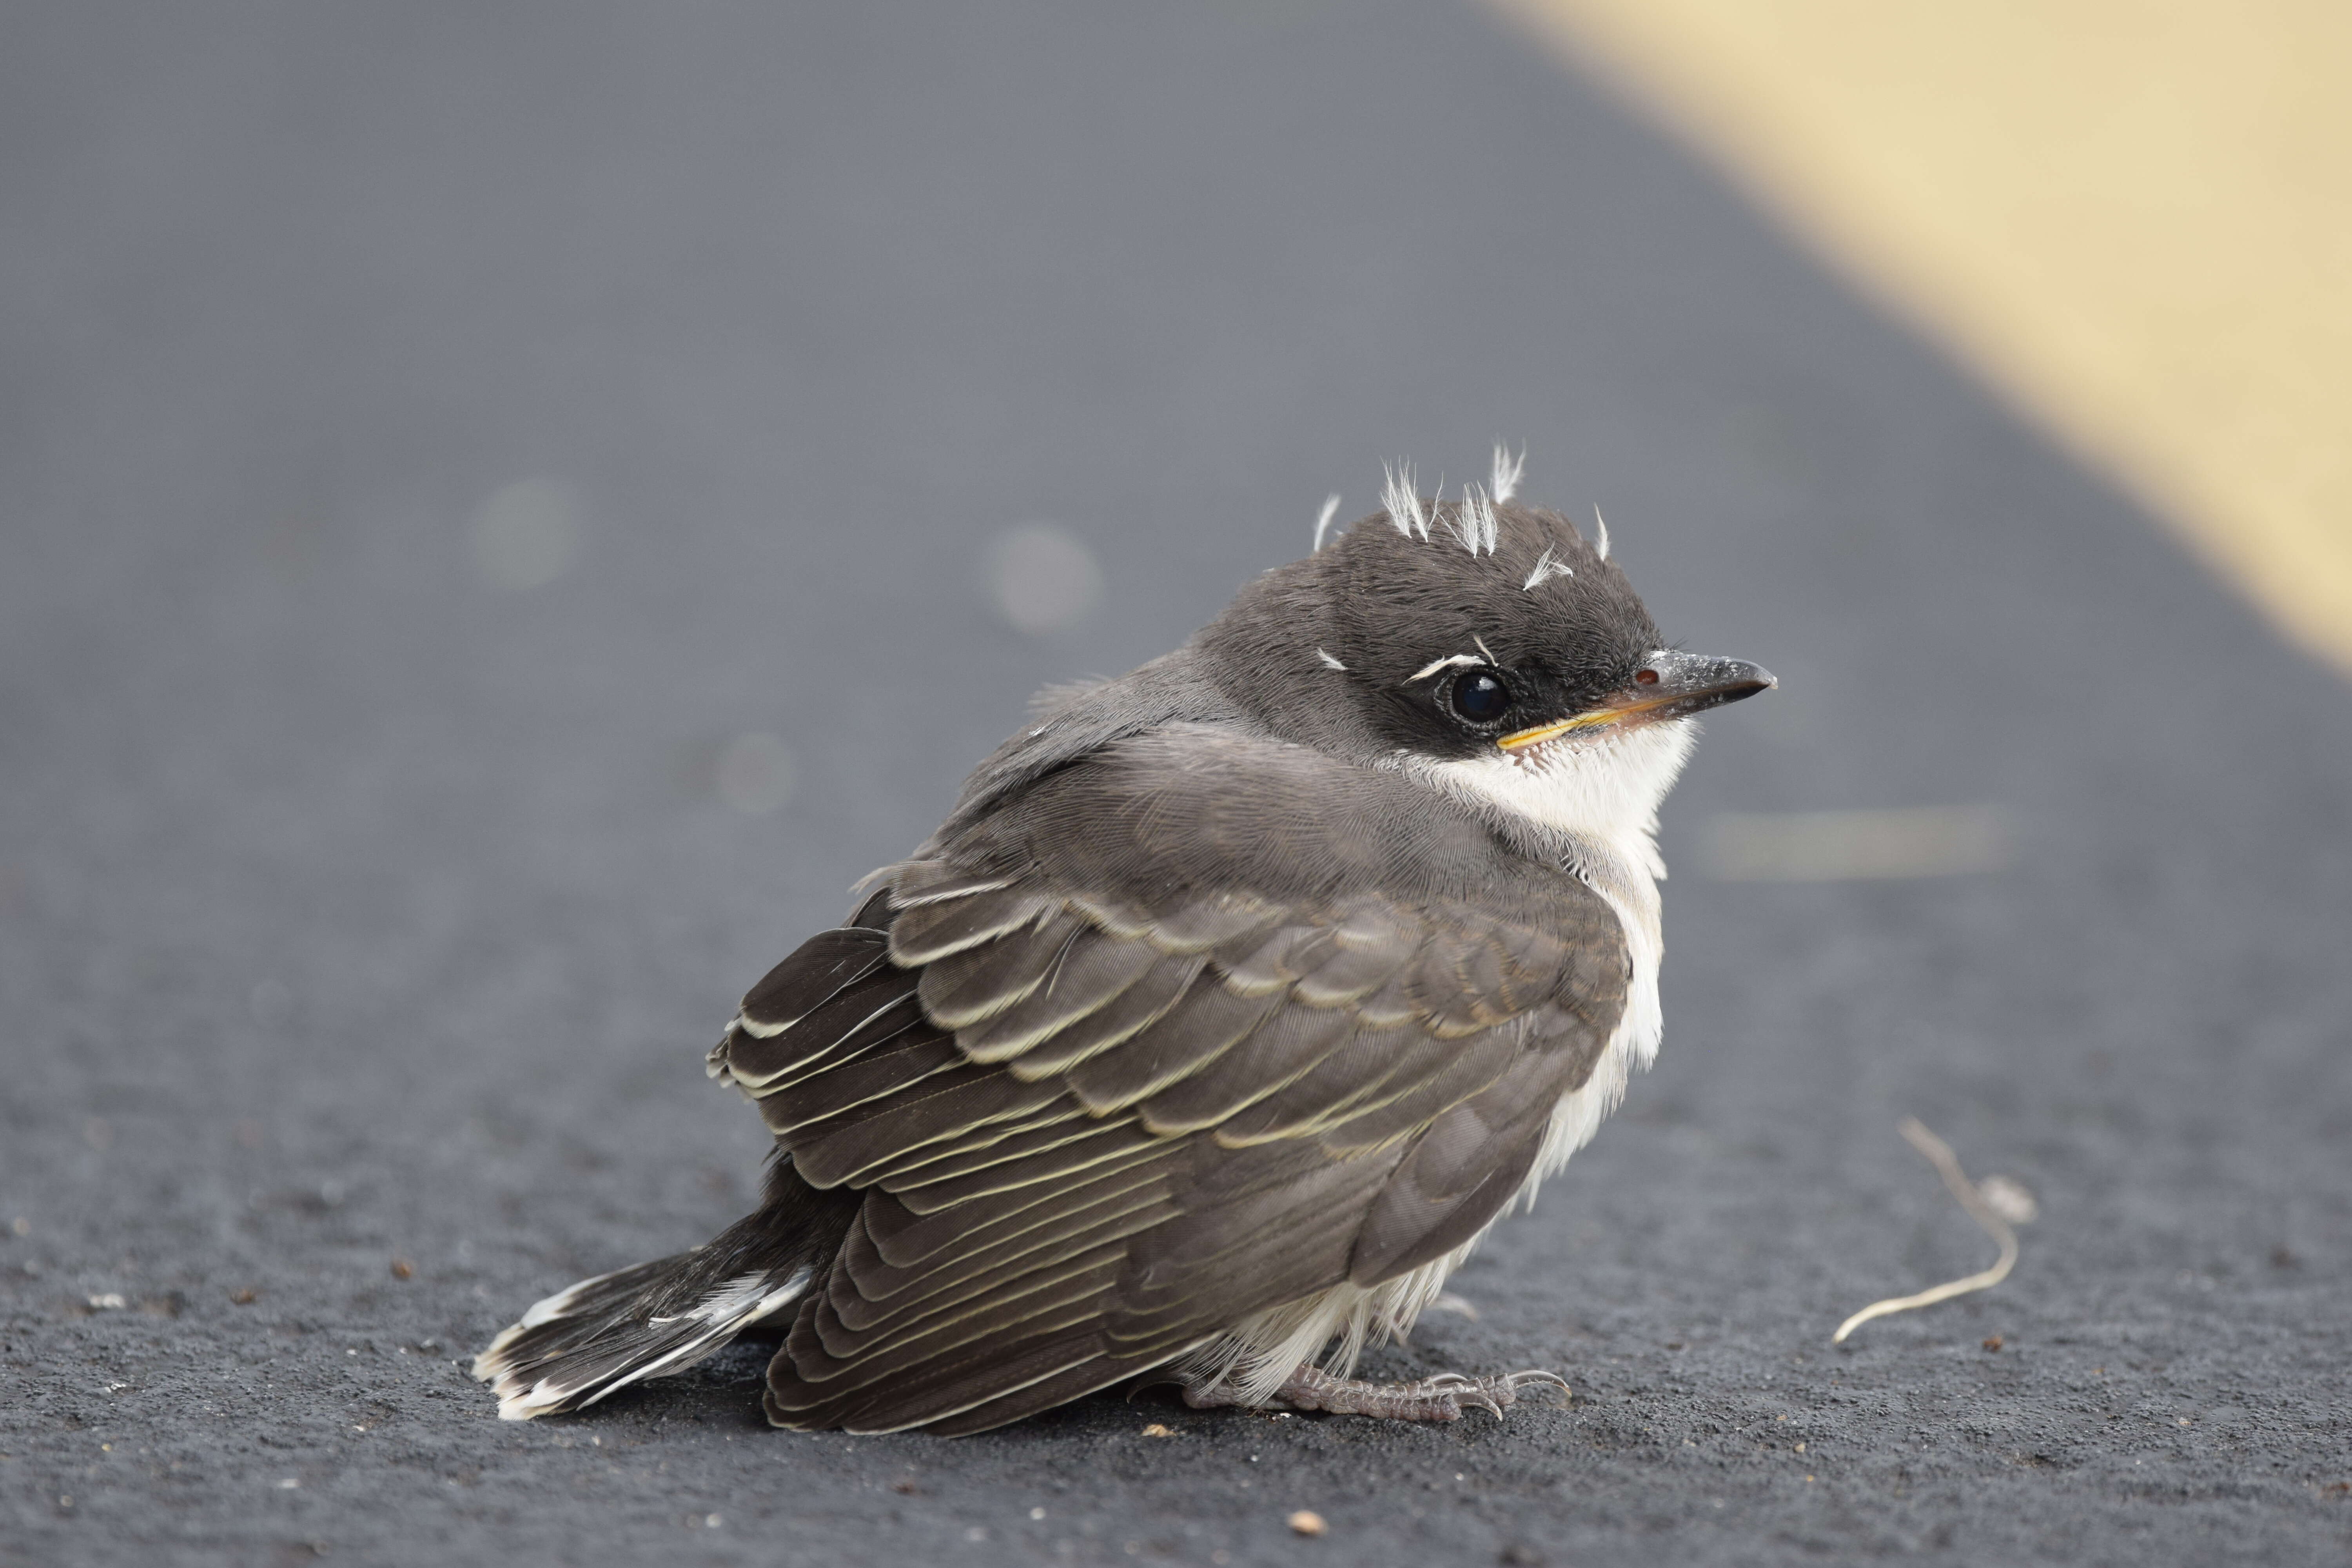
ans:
x=1668 y=685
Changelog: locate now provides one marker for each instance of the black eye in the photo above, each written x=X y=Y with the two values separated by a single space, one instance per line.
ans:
x=1480 y=696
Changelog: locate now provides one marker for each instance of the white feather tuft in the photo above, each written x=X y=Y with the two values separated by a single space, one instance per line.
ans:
x=1323 y=523
x=1327 y=660
x=1504 y=479
x=1448 y=662
x=1546 y=570
x=1474 y=526
x=1402 y=503
x=1601 y=534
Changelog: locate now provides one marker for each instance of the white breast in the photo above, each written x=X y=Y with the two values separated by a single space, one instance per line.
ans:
x=1603 y=795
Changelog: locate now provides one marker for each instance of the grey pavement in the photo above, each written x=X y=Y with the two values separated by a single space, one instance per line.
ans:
x=357 y=909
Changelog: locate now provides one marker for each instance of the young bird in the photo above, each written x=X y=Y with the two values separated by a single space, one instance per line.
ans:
x=1234 y=1002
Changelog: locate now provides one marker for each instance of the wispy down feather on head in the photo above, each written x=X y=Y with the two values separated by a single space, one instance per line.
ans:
x=1473 y=523
x=1478 y=522
x=1323 y=522
x=1401 y=501
x=1503 y=481
x=1546 y=569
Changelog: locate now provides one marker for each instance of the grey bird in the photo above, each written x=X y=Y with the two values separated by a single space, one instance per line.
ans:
x=1232 y=1005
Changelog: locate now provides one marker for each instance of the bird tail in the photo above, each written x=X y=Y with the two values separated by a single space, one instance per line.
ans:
x=603 y=1334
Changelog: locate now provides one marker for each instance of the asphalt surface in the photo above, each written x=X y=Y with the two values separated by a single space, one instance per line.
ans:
x=354 y=908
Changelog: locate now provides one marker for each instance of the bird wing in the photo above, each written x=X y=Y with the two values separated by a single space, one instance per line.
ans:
x=1094 y=1130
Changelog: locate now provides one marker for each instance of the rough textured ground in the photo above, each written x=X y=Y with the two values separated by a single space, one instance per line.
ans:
x=351 y=910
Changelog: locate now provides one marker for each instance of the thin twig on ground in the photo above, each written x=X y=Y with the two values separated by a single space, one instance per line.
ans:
x=1971 y=1198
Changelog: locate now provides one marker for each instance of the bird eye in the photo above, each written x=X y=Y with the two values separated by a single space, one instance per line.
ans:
x=1480 y=697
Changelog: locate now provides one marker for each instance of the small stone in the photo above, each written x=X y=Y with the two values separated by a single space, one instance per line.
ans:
x=1994 y=1343
x=1306 y=1521
x=1158 y=1430
x=401 y=1269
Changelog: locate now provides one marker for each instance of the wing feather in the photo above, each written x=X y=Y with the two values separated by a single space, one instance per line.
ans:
x=1051 y=1297
x=860 y=1146
x=878 y=1077
x=975 y=984
x=1094 y=969
x=1282 y=1050
x=1208 y=1021
x=945 y=926
x=883 y=1295
x=1136 y=1008
x=1058 y=1126
x=1371 y=1063
x=1367 y=950
x=1477 y=1062
x=906 y=1234
x=815 y=973
x=1035 y=1173
x=857 y=1019
x=1199 y=925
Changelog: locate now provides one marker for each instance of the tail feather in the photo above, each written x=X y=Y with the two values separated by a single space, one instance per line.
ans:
x=600 y=1335
x=603 y=1334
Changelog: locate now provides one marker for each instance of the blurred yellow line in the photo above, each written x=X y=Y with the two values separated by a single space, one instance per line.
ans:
x=2134 y=217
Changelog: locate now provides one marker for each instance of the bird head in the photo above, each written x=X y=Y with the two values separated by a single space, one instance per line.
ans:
x=1487 y=645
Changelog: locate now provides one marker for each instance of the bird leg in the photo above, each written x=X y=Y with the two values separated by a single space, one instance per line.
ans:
x=1439 y=1398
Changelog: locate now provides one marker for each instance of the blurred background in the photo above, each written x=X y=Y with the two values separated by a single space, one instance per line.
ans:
x=2132 y=220
x=505 y=511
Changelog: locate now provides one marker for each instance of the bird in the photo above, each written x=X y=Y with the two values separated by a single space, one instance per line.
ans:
x=1233 y=1003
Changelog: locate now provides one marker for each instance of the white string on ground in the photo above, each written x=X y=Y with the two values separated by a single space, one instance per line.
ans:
x=1971 y=1198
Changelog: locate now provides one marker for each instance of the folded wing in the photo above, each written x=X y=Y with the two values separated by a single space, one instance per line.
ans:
x=1094 y=1129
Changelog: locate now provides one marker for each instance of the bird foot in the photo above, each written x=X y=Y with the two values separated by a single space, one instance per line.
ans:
x=1439 y=1398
